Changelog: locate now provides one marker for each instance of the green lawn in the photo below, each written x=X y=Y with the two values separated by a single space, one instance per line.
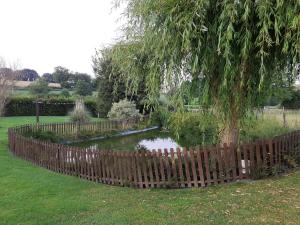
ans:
x=32 y=195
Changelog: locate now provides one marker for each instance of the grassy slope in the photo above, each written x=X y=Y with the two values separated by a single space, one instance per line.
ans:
x=32 y=195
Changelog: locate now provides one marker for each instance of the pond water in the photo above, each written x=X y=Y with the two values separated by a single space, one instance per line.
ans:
x=149 y=140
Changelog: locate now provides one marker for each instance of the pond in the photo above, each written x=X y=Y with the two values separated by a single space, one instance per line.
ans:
x=149 y=140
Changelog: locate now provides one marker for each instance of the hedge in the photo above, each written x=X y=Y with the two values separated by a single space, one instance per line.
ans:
x=293 y=102
x=52 y=106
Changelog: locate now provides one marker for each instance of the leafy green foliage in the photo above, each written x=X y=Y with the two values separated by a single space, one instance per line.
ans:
x=204 y=128
x=161 y=117
x=39 y=88
x=108 y=90
x=65 y=93
x=83 y=88
x=193 y=129
x=61 y=75
x=111 y=85
x=293 y=101
x=69 y=79
x=123 y=109
x=44 y=135
x=235 y=47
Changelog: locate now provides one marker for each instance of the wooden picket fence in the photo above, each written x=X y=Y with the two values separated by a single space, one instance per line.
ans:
x=167 y=168
x=73 y=129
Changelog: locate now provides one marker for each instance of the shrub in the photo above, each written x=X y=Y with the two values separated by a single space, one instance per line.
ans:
x=65 y=93
x=293 y=102
x=44 y=135
x=193 y=129
x=124 y=109
x=39 y=88
x=160 y=117
x=83 y=88
x=79 y=113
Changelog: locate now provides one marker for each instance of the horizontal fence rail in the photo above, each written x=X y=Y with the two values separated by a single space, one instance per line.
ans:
x=162 y=168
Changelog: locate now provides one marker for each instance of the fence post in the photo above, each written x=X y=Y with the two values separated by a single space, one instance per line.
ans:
x=284 y=118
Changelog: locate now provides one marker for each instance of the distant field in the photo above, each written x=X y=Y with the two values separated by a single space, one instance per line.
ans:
x=292 y=116
x=25 y=92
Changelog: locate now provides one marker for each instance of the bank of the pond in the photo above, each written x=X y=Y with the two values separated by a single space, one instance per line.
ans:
x=78 y=142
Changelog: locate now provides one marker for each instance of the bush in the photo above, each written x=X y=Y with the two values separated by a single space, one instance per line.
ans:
x=65 y=93
x=79 y=113
x=39 y=88
x=44 y=135
x=293 y=102
x=124 y=109
x=193 y=129
x=160 y=117
x=83 y=88
x=50 y=106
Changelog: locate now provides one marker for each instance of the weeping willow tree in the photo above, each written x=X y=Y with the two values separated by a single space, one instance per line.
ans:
x=234 y=46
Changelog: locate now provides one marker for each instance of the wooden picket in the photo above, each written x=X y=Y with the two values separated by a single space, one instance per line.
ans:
x=167 y=168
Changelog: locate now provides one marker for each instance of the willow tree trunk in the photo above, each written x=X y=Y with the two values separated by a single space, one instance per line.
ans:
x=230 y=131
x=230 y=134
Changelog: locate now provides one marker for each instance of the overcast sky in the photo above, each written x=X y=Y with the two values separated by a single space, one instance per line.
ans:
x=42 y=34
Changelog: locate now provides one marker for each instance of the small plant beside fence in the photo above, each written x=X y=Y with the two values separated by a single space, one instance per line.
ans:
x=162 y=168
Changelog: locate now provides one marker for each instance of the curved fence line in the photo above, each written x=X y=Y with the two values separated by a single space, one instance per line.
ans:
x=167 y=168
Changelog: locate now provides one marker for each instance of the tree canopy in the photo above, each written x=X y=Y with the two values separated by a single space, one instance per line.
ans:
x=39 y=88
x=236 y=47
x=67 y=78
x=112 y=83
x=27 y=75
x=83 y=88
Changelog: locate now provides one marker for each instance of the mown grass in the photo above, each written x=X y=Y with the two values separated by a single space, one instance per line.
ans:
x=32 y=195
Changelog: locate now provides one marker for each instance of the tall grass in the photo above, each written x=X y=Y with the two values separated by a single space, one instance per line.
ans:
x=262 y=128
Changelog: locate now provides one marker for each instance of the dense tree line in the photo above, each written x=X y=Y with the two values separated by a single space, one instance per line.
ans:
x=82 y=83
x=21 y=75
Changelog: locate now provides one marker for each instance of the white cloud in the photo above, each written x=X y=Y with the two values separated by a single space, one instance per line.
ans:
x=43 y=34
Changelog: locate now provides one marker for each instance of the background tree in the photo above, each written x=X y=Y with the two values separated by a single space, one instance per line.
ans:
x=74 y=78
x=7 y=77
x=69 y=79
x=39 y=88
x=112 y=84
x=108 y=92
x=48 y=77
x=27 y=75
x=237 y=46
x=83 y=88
x=61 y=75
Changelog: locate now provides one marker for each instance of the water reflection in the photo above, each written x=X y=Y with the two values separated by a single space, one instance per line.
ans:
x=144 y=141
x=158 y=143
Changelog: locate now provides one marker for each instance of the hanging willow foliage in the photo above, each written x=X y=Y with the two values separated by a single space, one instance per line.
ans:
x=235 y=46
